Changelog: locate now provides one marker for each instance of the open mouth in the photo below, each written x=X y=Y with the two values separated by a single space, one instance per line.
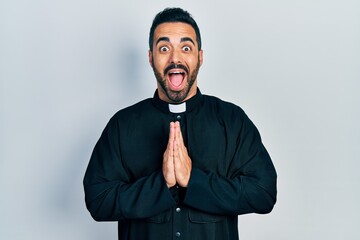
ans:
x=176 y=77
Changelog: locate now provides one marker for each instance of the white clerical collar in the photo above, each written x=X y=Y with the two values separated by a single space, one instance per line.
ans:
x=177 y=108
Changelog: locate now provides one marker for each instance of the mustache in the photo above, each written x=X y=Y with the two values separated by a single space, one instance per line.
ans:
x=178 y=66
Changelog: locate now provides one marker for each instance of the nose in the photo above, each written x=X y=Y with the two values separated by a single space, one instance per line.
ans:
x=175 y=57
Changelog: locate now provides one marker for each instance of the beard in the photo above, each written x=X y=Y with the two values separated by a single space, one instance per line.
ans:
x=176 y=96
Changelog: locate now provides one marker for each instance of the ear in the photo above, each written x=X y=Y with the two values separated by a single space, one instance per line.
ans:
x=201 y=57
x=150 y=58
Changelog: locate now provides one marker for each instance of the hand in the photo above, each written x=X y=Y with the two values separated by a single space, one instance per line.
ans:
x=182 y=161
x=168 y=159
x=176 y=161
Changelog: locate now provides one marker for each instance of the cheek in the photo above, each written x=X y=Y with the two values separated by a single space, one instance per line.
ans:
x=159 y=62
x=193 y=61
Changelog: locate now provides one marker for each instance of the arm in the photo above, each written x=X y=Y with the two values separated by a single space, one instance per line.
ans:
x=249 y=187
x=110 y=195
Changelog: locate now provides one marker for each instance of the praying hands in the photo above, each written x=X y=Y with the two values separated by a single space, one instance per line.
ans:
x=176 y=161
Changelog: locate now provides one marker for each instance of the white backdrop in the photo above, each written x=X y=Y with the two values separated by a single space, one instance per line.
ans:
x=67 y=66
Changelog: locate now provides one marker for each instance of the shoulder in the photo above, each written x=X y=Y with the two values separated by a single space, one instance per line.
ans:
x=131 y=113
x=229 y=114
x=140 y=106
x=222 y=107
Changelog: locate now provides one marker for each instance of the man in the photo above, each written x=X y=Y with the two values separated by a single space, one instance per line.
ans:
x=180 y=165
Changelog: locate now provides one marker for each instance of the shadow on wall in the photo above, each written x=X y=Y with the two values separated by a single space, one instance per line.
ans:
x=134 y=72
x=66 y=191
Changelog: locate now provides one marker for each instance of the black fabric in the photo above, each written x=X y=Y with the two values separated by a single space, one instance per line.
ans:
x=232 y=172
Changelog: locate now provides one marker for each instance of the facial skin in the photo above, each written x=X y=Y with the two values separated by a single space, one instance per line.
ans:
x=176 y=60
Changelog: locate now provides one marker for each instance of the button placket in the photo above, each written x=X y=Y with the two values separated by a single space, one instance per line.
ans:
x=179 y=222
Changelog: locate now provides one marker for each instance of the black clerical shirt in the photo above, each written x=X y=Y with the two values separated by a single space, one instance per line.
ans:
x=232 y=172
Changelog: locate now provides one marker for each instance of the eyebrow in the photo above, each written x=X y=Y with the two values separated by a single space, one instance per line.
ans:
x=185 y=39
x=166 y=39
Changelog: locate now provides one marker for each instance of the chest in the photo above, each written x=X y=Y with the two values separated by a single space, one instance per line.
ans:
x=210 y=144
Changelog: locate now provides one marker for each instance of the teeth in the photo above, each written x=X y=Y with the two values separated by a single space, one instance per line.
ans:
x=176 y=73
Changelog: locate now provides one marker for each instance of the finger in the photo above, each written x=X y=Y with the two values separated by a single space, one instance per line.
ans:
x=175 y=151
x=168 y=158
x=168 y=165
x=172 y=132
x=178 y=135
x=170 y=149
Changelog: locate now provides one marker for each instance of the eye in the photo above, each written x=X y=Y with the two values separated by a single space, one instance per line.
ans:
x=186 y=48
x=164 y=49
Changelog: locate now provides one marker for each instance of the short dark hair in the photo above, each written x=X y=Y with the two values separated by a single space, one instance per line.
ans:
x=173 y=15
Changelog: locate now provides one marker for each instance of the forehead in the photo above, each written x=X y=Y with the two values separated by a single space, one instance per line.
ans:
x=174 y=30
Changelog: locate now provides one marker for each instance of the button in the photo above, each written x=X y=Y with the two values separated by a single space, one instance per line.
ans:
x=177 y=234
x=178 y=209
x=178 y=117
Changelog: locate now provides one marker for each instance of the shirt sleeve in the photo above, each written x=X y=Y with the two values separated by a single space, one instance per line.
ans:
x=110 y=195
x=250 y=186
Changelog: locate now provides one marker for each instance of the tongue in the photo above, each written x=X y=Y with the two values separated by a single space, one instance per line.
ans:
x=176 y=79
